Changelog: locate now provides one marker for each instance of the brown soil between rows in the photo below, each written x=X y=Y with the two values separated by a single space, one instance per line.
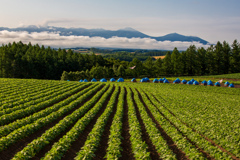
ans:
x=79 y=143
x=208 y=139
x=18 y=146
x=102 y=148
x=49 y=146
x=26 y=115
x=145 y=137
x=126 y=153
x=178 y=152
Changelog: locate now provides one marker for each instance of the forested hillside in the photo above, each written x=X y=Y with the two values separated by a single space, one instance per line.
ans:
x=18 y=60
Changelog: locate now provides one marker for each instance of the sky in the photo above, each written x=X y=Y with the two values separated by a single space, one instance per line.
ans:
x=211 y=20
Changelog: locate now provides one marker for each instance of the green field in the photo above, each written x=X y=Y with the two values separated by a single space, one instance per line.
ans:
x=73 y=120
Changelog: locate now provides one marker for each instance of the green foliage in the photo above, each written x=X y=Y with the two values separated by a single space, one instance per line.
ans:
x=18 y=60
x=191 y=116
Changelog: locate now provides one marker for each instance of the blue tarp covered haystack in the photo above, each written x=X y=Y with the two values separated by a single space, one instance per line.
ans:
x=226 y=83
x=165 y=81
x=161 y=80
x=155 y=80
x=68 y=80
x=134 y=80
x=204 y=82
x=147 y=79
x=231 y=85
x=143 y=80
x=210 y=83
x=120 y=80
x=177 y=81
x=217 y=84
x=93 y=80
x=103 y=80
x=195 y=83
x=80 y=80
x=85 y=80
x=189 y=82
x=192 y=80
x=184 y=81
x=112 y=80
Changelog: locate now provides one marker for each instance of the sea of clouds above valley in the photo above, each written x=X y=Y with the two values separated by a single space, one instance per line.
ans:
x=55 y=40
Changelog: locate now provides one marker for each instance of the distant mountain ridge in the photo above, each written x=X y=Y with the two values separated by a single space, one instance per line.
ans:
x=126 y=32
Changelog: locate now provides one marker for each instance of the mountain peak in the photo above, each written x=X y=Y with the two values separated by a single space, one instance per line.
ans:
x=128 y=29
x=127 y=32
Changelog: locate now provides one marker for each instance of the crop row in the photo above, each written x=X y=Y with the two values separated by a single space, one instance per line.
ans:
x=59 y=148
x=139 y=147
x=31 y=95
x=40 y=123
x=94 y=137
x=11 y=86
x=4 y=130
x=203 y=116
x=23 y=87
x=23 y=111
x=24 y=103
x=182 y=143
x=201 y=142
x=114 y=142
x=154 y=134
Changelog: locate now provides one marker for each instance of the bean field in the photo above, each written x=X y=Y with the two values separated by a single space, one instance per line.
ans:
x=43 y=119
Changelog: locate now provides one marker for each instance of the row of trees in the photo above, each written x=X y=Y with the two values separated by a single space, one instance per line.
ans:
x=18 y=60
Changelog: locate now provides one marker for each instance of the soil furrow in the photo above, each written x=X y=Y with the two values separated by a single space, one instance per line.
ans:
x=126 y=153
x=79 y=143
x=18 y=146
x=179 y=153
x=49 y=146
x=145 y=137
x=101 y=151
x=208 y=139
x=47 y=106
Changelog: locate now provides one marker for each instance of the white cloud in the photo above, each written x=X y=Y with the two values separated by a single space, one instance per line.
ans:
x=55 y=40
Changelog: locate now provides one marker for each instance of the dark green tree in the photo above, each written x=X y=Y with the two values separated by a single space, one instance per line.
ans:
x=167 y=65
x=235 y=59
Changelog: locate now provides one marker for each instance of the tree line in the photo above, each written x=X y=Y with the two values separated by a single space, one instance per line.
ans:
x=18 y=60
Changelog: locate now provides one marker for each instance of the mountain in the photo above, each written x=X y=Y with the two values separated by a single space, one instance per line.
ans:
x=125 y=32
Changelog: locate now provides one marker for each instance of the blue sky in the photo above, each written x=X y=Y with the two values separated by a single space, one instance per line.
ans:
x=212 y=20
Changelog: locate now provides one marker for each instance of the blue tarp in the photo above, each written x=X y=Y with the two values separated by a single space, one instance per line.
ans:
x=112 y=80
x=147 y=79
x=80 y=80
x=133 y=80
x=155 y=80
x=184 y=81
x=120 y=80
x=160 y=80
x=227 y=83
x=231 y=85
x=165 y=81
x=177 y=81
x=195 y=83
x=93 y=80
x=68 y=80
x=103 y=80
x=217 y=84
x=164 y=78
x=190 y=82
x=204 y=82
x=85 y=80
x=210 y=83
x=143 y=80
